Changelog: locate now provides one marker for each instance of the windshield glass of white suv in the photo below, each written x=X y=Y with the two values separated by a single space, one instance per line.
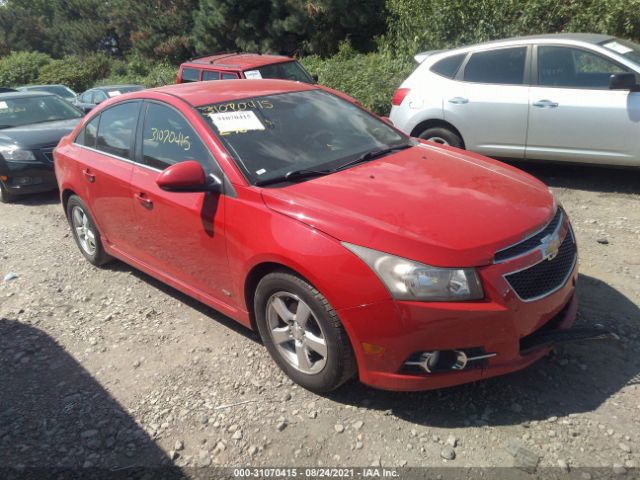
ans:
x=626 y=48
x=272 y=135
x=284 y=71
x=15 y=112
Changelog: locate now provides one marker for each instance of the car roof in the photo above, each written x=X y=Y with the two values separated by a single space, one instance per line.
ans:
x=112 y=87
x=25 y=94
x=31 y=87
x=205 y=93
x=239 y=61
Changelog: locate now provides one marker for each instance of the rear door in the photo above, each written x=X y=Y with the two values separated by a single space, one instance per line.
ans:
x=105 y=164
x=181 y=235
x=488 y=101
x=574 y=116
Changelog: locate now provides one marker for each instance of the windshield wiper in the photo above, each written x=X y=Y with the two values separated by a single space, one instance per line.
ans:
x=294 y=175
x=306 y=173
x=365 y=157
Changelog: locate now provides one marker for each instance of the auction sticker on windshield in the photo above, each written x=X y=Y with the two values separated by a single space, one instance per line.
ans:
x=236 y=122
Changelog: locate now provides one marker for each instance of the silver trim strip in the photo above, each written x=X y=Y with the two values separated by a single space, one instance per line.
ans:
x=560 y=222
x=126 y=160
x=560 y=285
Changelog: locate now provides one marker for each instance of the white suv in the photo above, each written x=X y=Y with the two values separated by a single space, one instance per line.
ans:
x=572 y=97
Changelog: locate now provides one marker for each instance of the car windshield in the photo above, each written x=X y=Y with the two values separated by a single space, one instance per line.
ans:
x=626 y=48
x=60 y=90
x=284 y=71
x=273 y=135
x=19 y=111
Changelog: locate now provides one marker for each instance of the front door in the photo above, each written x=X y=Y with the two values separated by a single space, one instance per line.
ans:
x=488 y=102
x=574 y=116
x=180 y=235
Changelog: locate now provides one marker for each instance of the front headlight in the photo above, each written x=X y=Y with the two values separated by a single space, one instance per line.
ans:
x=14 y=154
x=409 y=280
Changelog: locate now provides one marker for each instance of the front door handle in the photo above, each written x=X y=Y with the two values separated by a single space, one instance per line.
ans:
x=545 y=104
x=144 y=201
x=458 y=100
x=90 y=177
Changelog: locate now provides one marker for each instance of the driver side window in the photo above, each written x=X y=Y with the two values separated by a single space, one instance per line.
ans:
x=169 y=139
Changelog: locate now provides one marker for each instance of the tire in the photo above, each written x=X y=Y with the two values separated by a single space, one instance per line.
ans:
x=5 y=195
x=297 y=345
x=85 y=232
x=443 y=136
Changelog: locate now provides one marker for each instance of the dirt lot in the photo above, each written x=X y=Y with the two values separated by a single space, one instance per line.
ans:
x=110 y=368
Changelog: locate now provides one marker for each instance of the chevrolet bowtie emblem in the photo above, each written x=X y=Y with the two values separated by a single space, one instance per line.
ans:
x=550 y=246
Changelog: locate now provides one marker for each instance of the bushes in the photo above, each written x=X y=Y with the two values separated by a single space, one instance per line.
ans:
x=369 y=78
x=416 y=25
x=20 y=68
x=76 y=72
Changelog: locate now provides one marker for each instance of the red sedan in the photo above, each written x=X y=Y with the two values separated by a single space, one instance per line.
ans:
x=353 y=249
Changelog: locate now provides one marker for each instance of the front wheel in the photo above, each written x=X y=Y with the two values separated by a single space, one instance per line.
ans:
x=302 y=332
x=443 y=136
x=85 y=232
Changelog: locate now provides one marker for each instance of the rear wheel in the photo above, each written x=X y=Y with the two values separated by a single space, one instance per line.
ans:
x=85 y=232
x=5 y=195
x=443 y=136
x=302 y=332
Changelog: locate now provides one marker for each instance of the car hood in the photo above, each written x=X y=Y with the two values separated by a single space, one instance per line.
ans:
x=440 y=206
x=38 y=134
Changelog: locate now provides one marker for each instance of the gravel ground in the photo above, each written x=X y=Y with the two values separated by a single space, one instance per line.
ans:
x=110 y=368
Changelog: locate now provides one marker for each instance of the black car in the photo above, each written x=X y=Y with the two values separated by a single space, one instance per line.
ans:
x=94 y=96
x=31 y=125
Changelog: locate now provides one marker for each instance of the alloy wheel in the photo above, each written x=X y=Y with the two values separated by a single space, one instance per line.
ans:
x=84 y=233
x=296 y=333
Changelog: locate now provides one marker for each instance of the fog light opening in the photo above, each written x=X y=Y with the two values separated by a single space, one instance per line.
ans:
x=445 y=360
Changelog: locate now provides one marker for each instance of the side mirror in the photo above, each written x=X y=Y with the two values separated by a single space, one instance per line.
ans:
x=622 y=81
x=315 y=77
x=87 y=108
x=187 y=176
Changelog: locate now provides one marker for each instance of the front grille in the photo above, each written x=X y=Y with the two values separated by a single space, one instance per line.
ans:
x=531 y=242
x=547 y=276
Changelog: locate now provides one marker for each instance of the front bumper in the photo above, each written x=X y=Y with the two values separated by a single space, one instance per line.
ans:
x=24 y=178
x=388 y=334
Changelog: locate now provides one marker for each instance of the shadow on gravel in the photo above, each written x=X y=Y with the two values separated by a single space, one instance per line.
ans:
x=584 y=177
x=576 y=379
x=54 y=417
x=46 y=198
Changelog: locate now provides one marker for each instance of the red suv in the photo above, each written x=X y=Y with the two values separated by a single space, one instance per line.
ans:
x=230 y=66
x=352 y=248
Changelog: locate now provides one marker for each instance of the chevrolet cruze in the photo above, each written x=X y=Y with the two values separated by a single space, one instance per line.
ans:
x=353 y=249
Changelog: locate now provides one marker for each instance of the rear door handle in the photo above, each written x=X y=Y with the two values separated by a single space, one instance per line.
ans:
x=144 y=201
x=545 y=104
x=458 y=100
x=90 y=177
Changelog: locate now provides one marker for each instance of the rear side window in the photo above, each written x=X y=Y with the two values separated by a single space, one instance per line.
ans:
x=210 y=75
x=503 y=66
x=229 y=76
x=88 y=134
x=448 y=67
x=115 y=131
x=190 y=75
x=168 y=139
